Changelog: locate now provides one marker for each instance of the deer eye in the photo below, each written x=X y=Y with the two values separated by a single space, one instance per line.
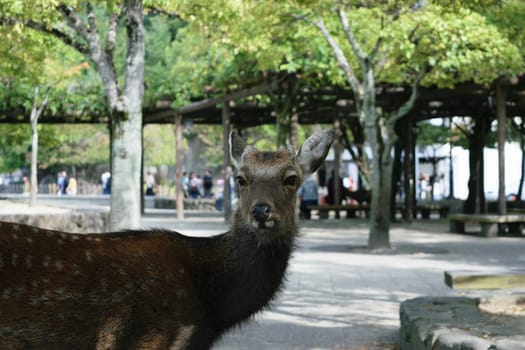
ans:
x=241 y=181
x=291 y=180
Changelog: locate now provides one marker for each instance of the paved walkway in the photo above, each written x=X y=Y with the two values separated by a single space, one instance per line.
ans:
x=342 y=296
x=339 y=295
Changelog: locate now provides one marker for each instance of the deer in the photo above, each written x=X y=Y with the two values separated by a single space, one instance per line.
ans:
x=157 y=289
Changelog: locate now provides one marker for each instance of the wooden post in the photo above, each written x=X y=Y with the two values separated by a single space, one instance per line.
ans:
x=501 y=93
x=227 y=167
x=451 y=166
x=179 y=167
x=142 y=199
x=409 y=167
x=294 y=121
x=337 y=162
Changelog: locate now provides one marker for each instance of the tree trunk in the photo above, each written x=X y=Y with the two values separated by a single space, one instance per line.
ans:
x=127 y=129
x=502 y=118
x=475 y=202
x=380 y=211
x=33 y=188
x=36 y=111
x=381 y=171
x=125 y=172
x=396 y=179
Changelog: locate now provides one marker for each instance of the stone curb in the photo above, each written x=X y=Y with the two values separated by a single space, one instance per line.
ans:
x=73 y=221
x=454 y=323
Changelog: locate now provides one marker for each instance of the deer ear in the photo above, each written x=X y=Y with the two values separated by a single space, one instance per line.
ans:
x=314 y=150
x=237 y=146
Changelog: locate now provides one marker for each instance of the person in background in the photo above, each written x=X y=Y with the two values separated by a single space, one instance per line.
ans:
x=65 y=183
x=207 y=183
x=60 y=183
x=27 y=185
x=105 y=178
x=349 y=184
x=309 y=195
x=425 y=188
x=150 y=184
x=185 y=184
x=72 y=187
x=194 y=186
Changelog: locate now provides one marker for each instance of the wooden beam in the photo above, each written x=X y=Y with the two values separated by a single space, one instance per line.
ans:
x=179 y=167
x=212 y=102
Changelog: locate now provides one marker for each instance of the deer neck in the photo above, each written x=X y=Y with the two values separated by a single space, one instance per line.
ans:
x=250 y=275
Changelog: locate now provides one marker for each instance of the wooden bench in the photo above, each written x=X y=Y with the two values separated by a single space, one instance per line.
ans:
x=350 y=209
x=426 y=208
x=490 y=223
x=473 y=280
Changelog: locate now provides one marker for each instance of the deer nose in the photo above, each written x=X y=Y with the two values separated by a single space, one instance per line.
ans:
x=261 y=212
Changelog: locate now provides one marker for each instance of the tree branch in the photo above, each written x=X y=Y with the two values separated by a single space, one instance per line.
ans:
x=95 y=52
x=37 y=111
x=375 y=50
x=74 y=21
x=154 y=9
x=338 y=52
x=464 y=131
x=91 y=18
x=407 y=106
x=44 y=102
x=111 y=38
x=65 y=38
x=341 y=58
x=351 y=37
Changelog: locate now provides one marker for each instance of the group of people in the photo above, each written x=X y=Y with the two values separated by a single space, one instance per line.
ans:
x=309 y=193
x=196 y=186
x=65 y=184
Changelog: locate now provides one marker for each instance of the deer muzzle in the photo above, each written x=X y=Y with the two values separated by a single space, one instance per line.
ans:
x=262 y=216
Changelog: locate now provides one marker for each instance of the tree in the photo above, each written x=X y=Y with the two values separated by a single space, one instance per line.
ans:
x=25 y=67
x=84 y=34
x=379 y=131
x=36 y=111
x=430 y=44
x=395 y=43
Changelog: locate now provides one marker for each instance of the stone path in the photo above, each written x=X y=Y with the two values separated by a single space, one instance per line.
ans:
x=341 y=296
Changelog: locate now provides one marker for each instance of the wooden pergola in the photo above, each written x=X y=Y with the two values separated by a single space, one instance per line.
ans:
x=327 y=105
x=315 y=106
x=331 y=105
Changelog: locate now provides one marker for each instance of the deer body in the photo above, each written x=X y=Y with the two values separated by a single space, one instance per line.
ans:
x=155 y=289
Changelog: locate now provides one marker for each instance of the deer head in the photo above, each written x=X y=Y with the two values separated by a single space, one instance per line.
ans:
x=266 y=183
